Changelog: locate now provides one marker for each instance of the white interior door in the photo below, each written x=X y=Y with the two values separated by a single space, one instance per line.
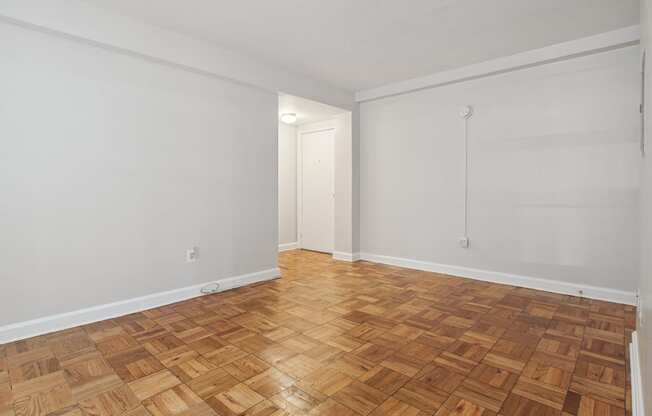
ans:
x=317 y=190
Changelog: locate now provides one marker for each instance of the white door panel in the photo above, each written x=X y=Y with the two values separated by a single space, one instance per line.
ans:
x=317 y=164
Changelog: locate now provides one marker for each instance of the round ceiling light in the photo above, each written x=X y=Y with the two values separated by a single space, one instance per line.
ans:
x=288 y=118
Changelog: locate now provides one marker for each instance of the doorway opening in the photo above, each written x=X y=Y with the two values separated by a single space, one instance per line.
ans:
x=314 y=158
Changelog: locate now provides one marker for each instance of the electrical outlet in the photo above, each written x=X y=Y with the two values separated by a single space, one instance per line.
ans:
x=192 y=255
x=464 y=242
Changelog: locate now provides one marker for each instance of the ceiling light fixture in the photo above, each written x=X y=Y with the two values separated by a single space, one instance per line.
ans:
x=289 y=118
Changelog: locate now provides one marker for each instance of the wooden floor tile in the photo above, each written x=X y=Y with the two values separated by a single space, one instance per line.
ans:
x=72 y=411
x=421 y=396
x=139 y=411
x=393 y=407
x=456 y=406
x=566 y=329
x=212 y=383
x=104 y=332
x=605 y=350
x=439 y=378
x=509 y=355
x=247 y=367
x=601 y=371
x=134 y=363
x=275 y=354
x=327 y=381
x=547 y=374
x=153 y=384
x=300 y=343
x=360 y=397
x=516 y=405
x=179 y=400
x=117 y=343
x=374 y=353
x=265 y=408
x=559 y=347
x=384 y=379
x=270 y=382
x=590 y=407
x=331 y=408
x=90 y=375
x=225 y=355
x=6 y=398
x=324 y=353
x=192 y=368
x=162 y=344
x=143 y=329
x=22 y=357
x=42 y=395
x=336 y=339
x=483 y=395
x=114 y=402
x=545 y=394
x=294 y=400
x=607 y=393
x=299 y=366
x=493 y=376
x=188 y=331
x=33 y=369
x=457 y=363
x=235 y=401
x=177 y=356
x=351 y=365
x=74 y=343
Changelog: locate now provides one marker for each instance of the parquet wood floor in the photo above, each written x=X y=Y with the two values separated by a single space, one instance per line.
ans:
x=338 y=339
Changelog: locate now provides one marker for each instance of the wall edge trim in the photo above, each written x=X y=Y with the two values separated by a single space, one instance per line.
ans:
x=288 y=246
x=638 y=401
x=343 y=256
x=548 y=285
x=58 y=322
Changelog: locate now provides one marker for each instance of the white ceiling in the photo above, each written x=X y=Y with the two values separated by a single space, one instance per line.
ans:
x=360 y=44
x=307 y=111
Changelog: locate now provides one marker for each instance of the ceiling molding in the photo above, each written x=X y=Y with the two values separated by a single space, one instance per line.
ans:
x=83 y=22
x=585 y=46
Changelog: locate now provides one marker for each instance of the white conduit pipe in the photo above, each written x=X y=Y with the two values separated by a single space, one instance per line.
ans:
x=466 y=113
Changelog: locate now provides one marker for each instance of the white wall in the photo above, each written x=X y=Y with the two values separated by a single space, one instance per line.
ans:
x=645 y=283
x=79 y=19
x=355 y=179
x=554 y=182
x=112 y=166
x=287 y=183
x=344 y=191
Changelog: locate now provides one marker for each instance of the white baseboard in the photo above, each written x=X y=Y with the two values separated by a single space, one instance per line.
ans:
x=554 y=286
x=288 y=246
x=638 y=400
x=342 y=256
x=27 y=329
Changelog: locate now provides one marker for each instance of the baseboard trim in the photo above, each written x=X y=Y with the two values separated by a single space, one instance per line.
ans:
x=343 y=256
x=638 y=402
x=288 y=246
x=554 y=286
x=40 y=326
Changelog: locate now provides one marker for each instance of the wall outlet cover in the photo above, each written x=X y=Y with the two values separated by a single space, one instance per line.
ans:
x=464 y=242
x=192 y=255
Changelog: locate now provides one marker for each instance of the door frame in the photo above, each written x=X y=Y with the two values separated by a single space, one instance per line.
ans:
x=300 y=135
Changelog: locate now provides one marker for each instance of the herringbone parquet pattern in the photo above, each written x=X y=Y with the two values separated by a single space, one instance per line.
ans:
x=337 y=339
